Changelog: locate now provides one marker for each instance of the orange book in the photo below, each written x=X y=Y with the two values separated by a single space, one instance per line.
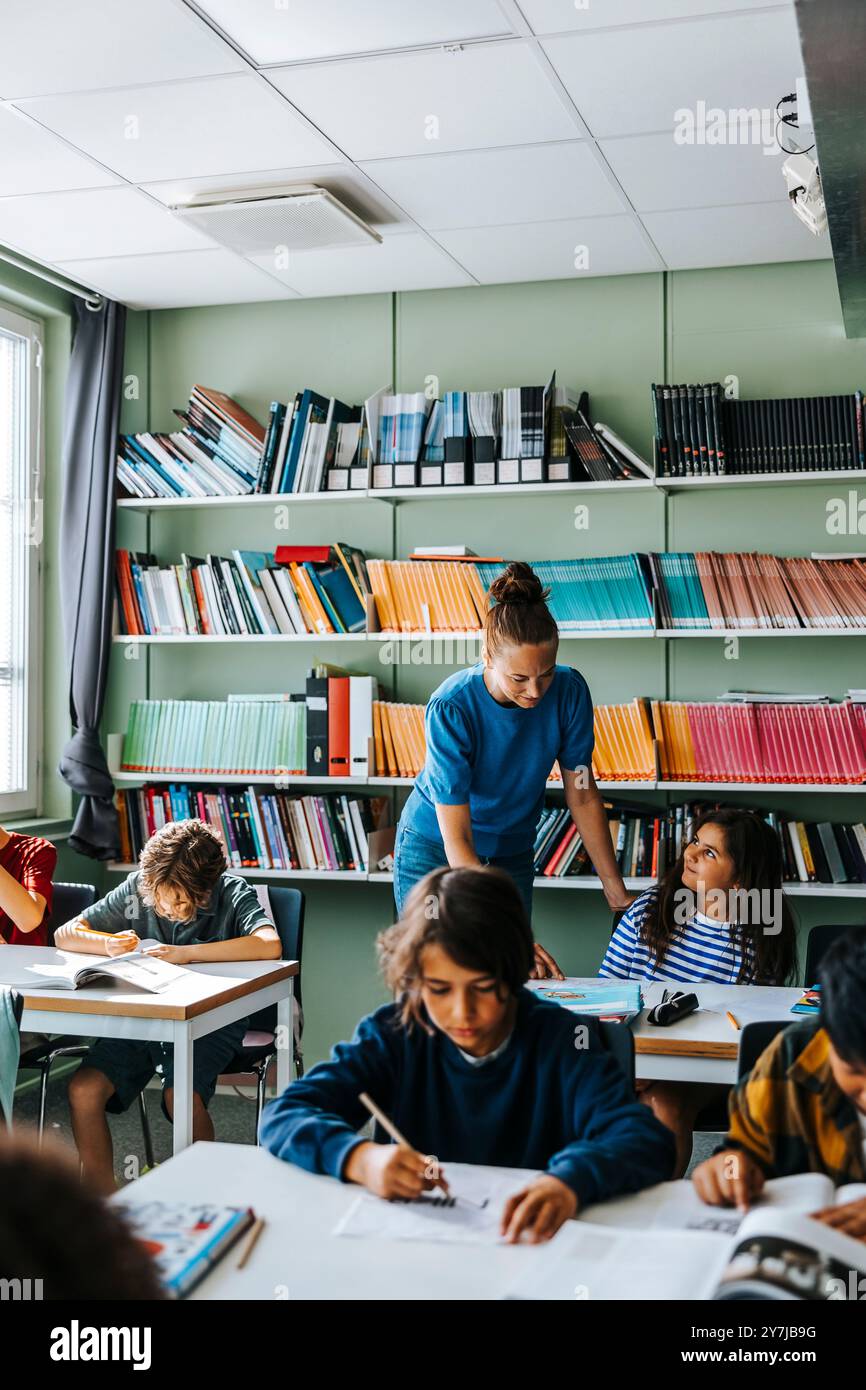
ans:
x=378 y=745
x=321 y=621
x=301 y=596
x=388 y=742
x=338 y=726
x=128 y=605
x=399 y=741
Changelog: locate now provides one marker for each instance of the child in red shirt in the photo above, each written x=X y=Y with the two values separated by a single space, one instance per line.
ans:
x=27 y=866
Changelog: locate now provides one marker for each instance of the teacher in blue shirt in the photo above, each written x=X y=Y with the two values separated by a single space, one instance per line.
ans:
x=494 y=732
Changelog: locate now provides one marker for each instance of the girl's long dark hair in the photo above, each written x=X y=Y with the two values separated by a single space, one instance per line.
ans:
x=768 y=958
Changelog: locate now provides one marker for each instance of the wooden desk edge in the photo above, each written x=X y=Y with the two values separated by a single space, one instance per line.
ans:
x=76 y=1001
x=686 y=1047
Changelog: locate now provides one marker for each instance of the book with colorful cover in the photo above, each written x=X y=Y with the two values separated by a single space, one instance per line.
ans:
x=809 y=1002
x=621 y=1001
x=186 y=1239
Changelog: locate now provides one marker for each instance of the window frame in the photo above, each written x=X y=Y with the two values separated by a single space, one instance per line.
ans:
x=28 y=800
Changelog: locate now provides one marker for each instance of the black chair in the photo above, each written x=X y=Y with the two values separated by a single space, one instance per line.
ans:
x=818 y=942
x=16 y=999
x=260 y=1048
x=755 y=1039
x=618 y=1040
x=69 y=900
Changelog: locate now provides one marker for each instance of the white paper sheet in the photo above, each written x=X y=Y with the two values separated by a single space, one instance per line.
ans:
x=473 y=1217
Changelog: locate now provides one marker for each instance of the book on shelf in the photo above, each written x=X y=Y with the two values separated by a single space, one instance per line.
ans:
x=218 y=453
x=260 y=829
x=295 y=590
x=699 y=433
x=647 y=841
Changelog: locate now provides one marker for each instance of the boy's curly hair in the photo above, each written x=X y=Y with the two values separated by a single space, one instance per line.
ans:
x=187 y=855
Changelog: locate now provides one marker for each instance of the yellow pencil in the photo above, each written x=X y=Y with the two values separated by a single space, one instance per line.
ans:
x=733 y=1022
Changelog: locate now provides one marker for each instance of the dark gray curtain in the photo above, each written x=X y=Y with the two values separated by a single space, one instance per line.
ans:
x=86 y=564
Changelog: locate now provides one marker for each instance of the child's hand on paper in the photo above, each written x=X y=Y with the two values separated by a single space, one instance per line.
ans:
x=393 y=1170
x=175 y=955
x=850 y=1218
x=121 y=943
x=729 y=1179
x=538 y=1210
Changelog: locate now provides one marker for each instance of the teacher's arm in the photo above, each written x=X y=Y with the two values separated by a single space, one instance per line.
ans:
x=587 y=811
x=455 y=825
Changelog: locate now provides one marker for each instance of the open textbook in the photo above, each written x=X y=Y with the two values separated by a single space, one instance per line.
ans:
x=775 y=1251
x=471 y=1213
x=134 y=968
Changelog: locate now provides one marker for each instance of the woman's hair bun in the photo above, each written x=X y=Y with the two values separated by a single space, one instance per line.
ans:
x=518 y=583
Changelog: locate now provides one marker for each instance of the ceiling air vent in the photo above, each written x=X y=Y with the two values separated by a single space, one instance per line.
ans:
x=253 y=221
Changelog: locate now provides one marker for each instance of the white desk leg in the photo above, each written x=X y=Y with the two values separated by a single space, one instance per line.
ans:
x=182 y=1127
x=285 y=1032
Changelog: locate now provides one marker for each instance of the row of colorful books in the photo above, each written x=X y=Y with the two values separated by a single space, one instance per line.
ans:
x=522 y=434
x=260 y=830
x=217 y=453
x=738 y=740
x=701 y=433
x=296 y=589
x=647 y=843
x=324 y=589
x=339 y=727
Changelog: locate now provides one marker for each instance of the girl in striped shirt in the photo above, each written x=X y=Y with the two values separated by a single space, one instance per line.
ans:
x=717 y=916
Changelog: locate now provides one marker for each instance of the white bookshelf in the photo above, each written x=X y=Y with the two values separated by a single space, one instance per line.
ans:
x=825 y=479
x=588 y=883
x=566 y=635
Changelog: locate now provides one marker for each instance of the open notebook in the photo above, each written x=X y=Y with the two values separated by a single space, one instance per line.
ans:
x=776 y=1251
x=135 y=968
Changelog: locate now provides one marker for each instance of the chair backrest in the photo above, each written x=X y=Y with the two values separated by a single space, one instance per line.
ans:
x=755 y=1039
x=818 y=941
x=69 y=900
x=286 y=910
x=618 y=1039
x=617 y=917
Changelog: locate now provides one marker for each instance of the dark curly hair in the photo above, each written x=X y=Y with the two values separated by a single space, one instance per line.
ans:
x=53 y=1228
x=476 y=915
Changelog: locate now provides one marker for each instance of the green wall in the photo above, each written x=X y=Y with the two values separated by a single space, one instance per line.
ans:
x=778 y=328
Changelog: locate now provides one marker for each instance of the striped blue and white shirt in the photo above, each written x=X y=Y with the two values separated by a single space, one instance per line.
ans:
x=700 y=950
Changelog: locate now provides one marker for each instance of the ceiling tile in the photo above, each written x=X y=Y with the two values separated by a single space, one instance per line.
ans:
x=406 y=262
x=343 y=180
x=560 y=16
x=176 y=280
x=632 y=81
x=210 y=126
x=751 y=234
x=303 y=29
x=657 y=173
x=34 y=161
x=548 y=250
x=483 y=188
x=98 y=222
x=426 y=103
x=58 y=46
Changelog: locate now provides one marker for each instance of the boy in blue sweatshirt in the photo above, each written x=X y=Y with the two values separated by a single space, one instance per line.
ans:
x=472 y=1068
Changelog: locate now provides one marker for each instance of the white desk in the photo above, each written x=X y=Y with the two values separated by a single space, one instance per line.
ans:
x=297 y=1257
x=210 y=996
x=703 y=1046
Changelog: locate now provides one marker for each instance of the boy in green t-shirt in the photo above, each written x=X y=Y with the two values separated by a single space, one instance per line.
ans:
x=182 y=898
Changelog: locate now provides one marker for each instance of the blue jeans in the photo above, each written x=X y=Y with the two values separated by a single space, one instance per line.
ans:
x=415 y=856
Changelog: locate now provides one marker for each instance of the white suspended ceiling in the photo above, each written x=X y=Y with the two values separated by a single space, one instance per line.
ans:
x=487 y=141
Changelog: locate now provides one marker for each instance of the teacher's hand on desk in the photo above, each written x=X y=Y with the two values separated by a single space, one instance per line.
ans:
x=545 y=967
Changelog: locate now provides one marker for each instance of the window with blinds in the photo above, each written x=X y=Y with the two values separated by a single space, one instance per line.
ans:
x=20 y=544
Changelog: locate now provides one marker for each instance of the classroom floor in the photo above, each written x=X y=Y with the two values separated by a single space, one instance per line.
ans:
x=233 y=1118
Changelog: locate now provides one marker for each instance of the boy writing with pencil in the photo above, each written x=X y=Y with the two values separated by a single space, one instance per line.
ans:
x=182 y=900
x=803 y=1106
